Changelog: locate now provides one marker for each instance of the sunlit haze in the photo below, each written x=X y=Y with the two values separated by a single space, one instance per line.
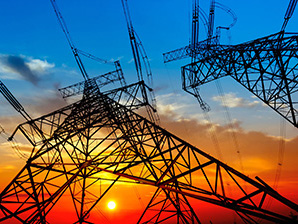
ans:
x=240 y=130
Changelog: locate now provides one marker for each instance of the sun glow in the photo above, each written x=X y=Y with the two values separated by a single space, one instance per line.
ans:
x=111 y=205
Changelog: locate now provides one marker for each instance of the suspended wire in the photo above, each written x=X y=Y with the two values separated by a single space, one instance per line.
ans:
x=204 y=18
x=195 y=25
x=138 y=193
x=95 y=58
x=280 y=157
x=229 y=37
x=141 y=62
x=2 y=131
x=218 y=150
x=13 y=144
x=98 y=210
x=133 y=40
x=211 y=20
x=17 y=149
x=232 y=130
x=69 y=39
x=13 y=101
x=213 y=136
x=139 y=197
x=233 y=133
x=230 y=123
x=281 y=152
x=206 y=117
x=189 y=19
x=229 y=11
x=102 y=214
x=228 y=27
x=170 y=82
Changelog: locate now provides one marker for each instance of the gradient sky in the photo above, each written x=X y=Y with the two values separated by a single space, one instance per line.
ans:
x=30 y=33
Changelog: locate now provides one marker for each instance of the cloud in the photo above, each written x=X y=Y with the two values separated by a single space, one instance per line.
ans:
x=18 y=65
x=22 y=67
x=46 y=105
x=17 y=148
x=39 y=66
x=232 y=101
x=10 y=122
x=255 y=147
x=5 y=168
x=258 y=153
x=178 y=106
x=131 y=61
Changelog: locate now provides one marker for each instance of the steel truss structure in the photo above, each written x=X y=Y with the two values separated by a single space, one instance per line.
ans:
x=267 y=67
x=102 y=138
x=98 y=138
x=101 y=81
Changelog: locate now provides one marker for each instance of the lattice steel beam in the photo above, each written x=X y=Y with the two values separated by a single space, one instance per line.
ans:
x=267 y=67
x=99 y=139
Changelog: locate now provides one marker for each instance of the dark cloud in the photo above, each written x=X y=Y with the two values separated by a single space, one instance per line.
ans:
x=18 y=65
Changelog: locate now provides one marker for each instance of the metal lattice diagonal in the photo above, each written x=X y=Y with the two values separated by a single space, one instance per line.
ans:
x=98 y=139
x=267 y=67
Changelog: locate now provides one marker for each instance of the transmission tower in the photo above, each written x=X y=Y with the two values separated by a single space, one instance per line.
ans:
x=83 y=142
x=141 y=62
x=102 y=138
x=138 y=93
x=267 y=66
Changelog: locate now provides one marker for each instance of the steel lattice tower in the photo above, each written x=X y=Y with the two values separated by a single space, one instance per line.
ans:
x=102 y=138
x=267 y=67
x=77 y=146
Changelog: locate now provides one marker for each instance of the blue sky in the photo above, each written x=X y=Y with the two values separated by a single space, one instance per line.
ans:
x=30 y=30
x=30 y=34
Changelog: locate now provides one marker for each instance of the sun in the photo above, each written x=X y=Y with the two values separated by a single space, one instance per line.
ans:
x=111 y=205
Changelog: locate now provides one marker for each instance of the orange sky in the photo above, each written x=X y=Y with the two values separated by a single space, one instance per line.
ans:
x=258 y=153
x=255 y=150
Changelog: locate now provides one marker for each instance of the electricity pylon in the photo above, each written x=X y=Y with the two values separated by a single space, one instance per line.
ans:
x=97 y=139
x=102 y=138
x=267 y=67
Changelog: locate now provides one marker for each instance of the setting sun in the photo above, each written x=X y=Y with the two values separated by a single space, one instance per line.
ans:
x=111 y=205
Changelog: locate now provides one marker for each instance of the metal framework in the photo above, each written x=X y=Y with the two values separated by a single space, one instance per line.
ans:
x=110 y=77
x=101 y=80
x=135 y=95
x=98 y=139
x=102 y=138
x=267 y=67
x=141 y=60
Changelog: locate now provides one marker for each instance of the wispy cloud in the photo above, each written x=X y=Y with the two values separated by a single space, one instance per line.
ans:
x=5 y=168
x=232 y=101
x=131 y=61
x=23 y=67
x=257 y=151
x=44 y=105
x=177 y=106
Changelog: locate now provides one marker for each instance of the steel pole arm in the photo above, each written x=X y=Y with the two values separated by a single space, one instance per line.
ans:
x=69 y=40
x=198 y=51
x=133 y=40
x=289 y=13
